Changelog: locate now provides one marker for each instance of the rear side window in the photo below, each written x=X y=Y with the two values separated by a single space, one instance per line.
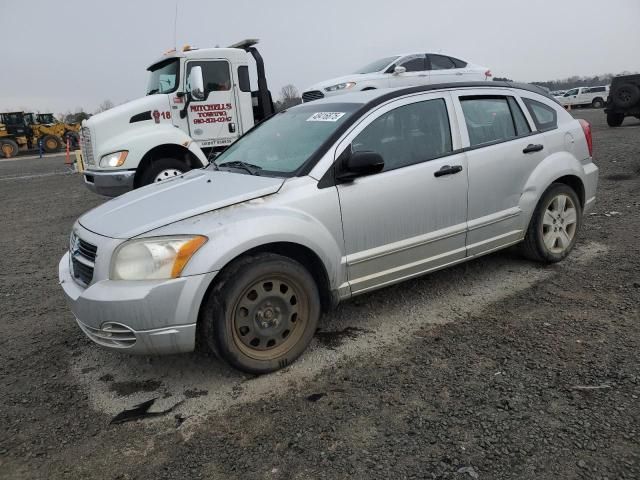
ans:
x=408 y=135
x=243 y=78
x=458 y=63
x=493 y=119
x=545 y=117
x=440 y=62
x=596 y=89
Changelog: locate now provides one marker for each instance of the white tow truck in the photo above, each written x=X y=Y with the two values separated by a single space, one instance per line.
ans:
x=198 y=102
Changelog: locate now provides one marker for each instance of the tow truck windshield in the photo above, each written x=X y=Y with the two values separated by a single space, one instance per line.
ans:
x=164 y=76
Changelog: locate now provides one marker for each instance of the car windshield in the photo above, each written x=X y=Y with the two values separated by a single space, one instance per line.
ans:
x=377 y=65
x=164 y=76
x=280 y=145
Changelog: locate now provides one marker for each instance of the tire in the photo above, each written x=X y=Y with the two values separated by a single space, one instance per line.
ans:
x=163 y=168
x=615 y=119
x=261 y=314
x=8 y=148
x=51 y=143
x=597 y=103
x=553 y=230
x=626 y=95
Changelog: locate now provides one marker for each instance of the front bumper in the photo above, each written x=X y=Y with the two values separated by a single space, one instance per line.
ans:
x=138 y=317
x=109 y=183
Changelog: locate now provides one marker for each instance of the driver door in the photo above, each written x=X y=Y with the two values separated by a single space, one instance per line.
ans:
x=416 y=73
x=213 y=121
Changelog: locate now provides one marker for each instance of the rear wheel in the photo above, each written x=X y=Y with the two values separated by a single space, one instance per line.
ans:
x=614 y=119
x=597 y=103
x=554 y=227
x=51 y=143
x=163 y=169
x=262 y=313
x=9 y=148
x=74 y=140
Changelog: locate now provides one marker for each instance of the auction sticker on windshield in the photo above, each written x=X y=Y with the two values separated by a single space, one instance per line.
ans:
x=325 y=116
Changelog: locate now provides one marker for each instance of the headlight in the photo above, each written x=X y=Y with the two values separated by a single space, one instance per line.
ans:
x=115 y=159
x=340 y=86
x=154 y=258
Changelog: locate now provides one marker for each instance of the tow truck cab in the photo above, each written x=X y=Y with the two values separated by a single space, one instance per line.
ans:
x=198 y=101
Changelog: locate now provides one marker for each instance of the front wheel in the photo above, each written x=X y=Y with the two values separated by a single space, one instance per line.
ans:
x=554 y=227
x=262 y=313
x=163 y=169
x=51 y=143
x=8 y=147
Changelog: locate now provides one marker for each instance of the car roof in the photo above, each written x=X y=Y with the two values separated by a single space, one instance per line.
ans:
x=380 y=95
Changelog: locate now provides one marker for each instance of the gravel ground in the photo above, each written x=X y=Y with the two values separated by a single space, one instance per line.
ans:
x=498 y=368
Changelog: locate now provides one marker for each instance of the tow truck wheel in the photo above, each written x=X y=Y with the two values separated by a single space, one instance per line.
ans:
x=51 y=143
x=8 y=147
x=164 y=169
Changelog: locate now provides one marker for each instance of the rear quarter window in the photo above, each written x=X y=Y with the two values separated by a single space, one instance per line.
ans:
x=544 y=116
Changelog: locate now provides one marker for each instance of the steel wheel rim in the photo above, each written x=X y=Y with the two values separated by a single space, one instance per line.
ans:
x=269 y=317
x=167 y=174
x=559 y=223
x=7 y=150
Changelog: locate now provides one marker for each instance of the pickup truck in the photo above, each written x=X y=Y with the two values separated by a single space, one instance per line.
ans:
x=585 y=97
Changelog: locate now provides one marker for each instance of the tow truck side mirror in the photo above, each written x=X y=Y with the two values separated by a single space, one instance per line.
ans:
x=196 y=84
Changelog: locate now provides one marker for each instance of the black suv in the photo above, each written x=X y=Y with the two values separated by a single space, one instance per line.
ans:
x=623 y=100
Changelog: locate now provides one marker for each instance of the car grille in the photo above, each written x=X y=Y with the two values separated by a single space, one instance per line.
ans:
x=312 y=95
x=86 y=147
x=83 y=257
x=111 y=334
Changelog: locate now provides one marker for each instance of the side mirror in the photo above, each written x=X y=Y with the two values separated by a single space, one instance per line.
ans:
x=398 y=70
x=359 y=164
x=196 y=84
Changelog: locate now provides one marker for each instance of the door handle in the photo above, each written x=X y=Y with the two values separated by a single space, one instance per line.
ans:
x=232 y=127
x=533 y=148
x=458 y=73
x=448 y=170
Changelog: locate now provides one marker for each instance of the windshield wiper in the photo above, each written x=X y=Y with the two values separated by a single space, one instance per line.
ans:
x=154 y=91
x=247 y=167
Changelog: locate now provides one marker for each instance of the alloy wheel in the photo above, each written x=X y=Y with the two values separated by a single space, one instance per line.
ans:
x=559 y=223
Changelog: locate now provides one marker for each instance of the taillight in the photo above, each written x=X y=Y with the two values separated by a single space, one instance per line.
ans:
x=488 y=74
x=586 y=128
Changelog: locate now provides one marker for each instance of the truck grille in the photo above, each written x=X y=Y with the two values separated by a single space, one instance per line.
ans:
x=86 y=147
x=83 y=256
x=312 y=95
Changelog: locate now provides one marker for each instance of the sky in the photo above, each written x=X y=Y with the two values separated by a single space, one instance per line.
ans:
x=71 y=54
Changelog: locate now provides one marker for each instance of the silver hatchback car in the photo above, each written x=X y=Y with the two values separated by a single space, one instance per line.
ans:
x=322 y=202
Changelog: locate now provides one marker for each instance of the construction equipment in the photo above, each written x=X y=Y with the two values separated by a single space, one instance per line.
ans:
x=14 y=134
x=8 y=145
x=21 y=124
x=71 y=130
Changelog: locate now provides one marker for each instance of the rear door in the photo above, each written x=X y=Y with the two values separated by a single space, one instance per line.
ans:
x=502 y=151
x=213 y=121
x=444 y=70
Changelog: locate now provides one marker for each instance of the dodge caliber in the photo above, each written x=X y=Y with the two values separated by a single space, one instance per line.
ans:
x=322 y=202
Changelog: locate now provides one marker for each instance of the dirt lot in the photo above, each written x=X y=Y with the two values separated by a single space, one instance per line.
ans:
x=499 y=368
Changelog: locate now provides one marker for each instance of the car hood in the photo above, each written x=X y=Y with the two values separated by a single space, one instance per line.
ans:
x=157 y=205
x=354 y=77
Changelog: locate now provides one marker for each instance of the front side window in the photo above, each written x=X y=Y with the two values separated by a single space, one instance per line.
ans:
x=490 y=119
x=571 y=92
x=164 y=76
x=440 y=62
x=413 y=63
x=215 y=74
x=544 y=116
x=282 y=144
x=408 y=135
